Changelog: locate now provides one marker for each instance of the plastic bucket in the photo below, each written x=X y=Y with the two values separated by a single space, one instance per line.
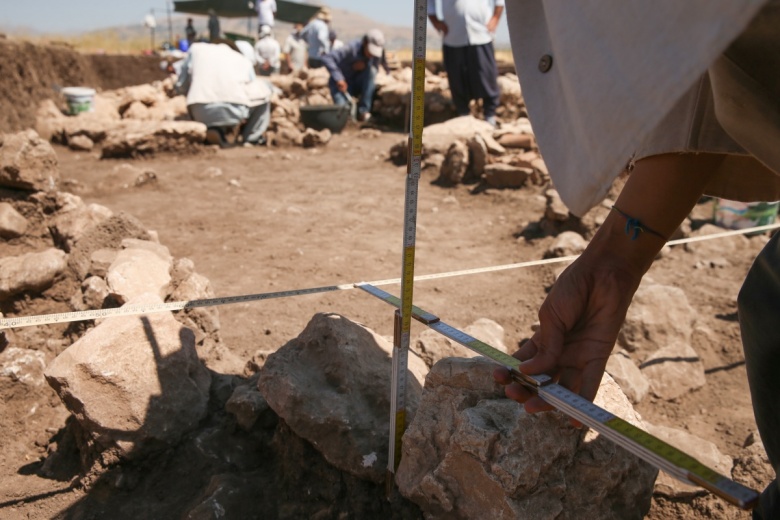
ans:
x=740 y=215
x=319 y=117
x=79 y=99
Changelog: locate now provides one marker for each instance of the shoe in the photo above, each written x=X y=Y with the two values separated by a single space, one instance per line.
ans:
x=215 y=136
x=364 y=117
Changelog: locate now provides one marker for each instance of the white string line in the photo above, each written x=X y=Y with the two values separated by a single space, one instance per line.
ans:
x=131 y=310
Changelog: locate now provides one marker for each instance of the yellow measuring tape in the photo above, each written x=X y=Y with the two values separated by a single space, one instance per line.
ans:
x=403 y=319
x=635 y=440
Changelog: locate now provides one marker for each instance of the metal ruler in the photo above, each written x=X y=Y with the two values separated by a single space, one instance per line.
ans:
x=403 y=317
x=635 y=440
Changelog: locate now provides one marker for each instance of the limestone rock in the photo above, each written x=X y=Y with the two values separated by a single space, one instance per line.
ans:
x=95 y=291
x=478 y=155
x=30 y=272
x=674 y=371
x=74 y=218
x=134 y=384
x=80 y=143
x=525 y=141
x=456 y=164
x=312 y=138
x=568 y=243
x=27 y=162
x=12 y=224
x=499 y=175
x=23 y=365
x=556 y=210
x=246 y=404
x=628 y=376
x=137 y=271
x=331 y=385
x=100 y=261
x=659 y=315
x=471 y=453
x=149 y=137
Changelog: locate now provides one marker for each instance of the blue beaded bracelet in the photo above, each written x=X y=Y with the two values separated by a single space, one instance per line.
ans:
x=634 y=226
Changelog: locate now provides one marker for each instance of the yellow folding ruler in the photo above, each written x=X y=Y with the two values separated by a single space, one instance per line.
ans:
x=635 y=440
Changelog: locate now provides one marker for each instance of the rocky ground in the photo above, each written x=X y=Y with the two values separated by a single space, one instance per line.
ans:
x=279 y=408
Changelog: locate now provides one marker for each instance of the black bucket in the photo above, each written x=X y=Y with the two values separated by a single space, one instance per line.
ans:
x=319 y=117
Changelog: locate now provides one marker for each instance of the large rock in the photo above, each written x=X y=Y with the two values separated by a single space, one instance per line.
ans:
x=503 y=176
x=331 y=385
x=23 y=365
x=138 y=270
x=140 y=138
x=659 y=315
x=27 y=162
x=471 y=453
x=628 y=376
x=134 y=384
x=73 y=218
x=456 y=163
x=30 y=272
x=674 y=370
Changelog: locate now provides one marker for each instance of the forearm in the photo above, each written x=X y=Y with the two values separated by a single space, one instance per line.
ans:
x=660 y=192
x=497 y=12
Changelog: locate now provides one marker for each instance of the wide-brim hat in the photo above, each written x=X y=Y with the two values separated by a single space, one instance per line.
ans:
x=324 y=14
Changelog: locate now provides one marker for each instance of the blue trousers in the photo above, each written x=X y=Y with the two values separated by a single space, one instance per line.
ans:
x=361 y=86
x=759 y=310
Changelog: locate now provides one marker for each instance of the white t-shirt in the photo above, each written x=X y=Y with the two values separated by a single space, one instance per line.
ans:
x=268 y=51
x=266 y=9
x=216 y=74
x=466 y=20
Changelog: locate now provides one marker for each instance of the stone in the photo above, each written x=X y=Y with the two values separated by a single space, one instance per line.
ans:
x=627 y=375
x=455 y=165
x=478 y=155
x=143 y=138
x=467 y=436
x=501 y=176
x=12 y=223
x=673 y=371
x=138 y=271
x=432 y=347
x=312 y=138
x=702 y=450
x=246 y=404
x=568 y=243
x=23 y=365
x=659 y=315
x=27 y=162
x=31 y=272
x=155 y=247
x=80 y=143
x=135 y=385
x=95 y=291
x=74 y=218
x=525 y=141
x=137 y=110
x=331 y=385
x=556 y=210
x=100 y=261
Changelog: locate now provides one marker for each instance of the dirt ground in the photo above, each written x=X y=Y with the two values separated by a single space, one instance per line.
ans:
x=262 y=220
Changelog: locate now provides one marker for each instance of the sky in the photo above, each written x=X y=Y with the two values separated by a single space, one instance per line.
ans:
x=68 y=16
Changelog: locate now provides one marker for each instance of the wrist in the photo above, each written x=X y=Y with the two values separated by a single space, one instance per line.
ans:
x=614 y=245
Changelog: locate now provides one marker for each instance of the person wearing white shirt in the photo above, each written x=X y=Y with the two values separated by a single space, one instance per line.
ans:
x=295 y=49
x=268 y=52
x=467 y=27
x=266 y=13
x=223 y=92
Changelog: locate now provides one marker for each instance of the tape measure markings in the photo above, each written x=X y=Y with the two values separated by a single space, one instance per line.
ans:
x=66 y=317
x=635 y=440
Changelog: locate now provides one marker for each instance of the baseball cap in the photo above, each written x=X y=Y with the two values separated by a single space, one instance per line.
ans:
x=265 y=30
x=375 y=41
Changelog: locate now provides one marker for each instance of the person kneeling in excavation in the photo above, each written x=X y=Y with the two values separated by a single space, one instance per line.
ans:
x=353 y=68
x=224 y=94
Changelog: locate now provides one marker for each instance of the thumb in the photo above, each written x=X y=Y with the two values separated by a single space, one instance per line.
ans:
x=548 y=343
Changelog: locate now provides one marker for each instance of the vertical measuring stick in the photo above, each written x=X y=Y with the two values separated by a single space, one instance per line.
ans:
x=404 y=320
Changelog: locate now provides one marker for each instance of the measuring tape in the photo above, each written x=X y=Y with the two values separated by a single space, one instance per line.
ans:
x=635 y=440
x=403 y=317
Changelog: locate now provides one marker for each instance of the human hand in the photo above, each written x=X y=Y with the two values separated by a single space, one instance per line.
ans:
x=492 y=24
x=441 y=27
x=341 y=86
x=579 y=324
